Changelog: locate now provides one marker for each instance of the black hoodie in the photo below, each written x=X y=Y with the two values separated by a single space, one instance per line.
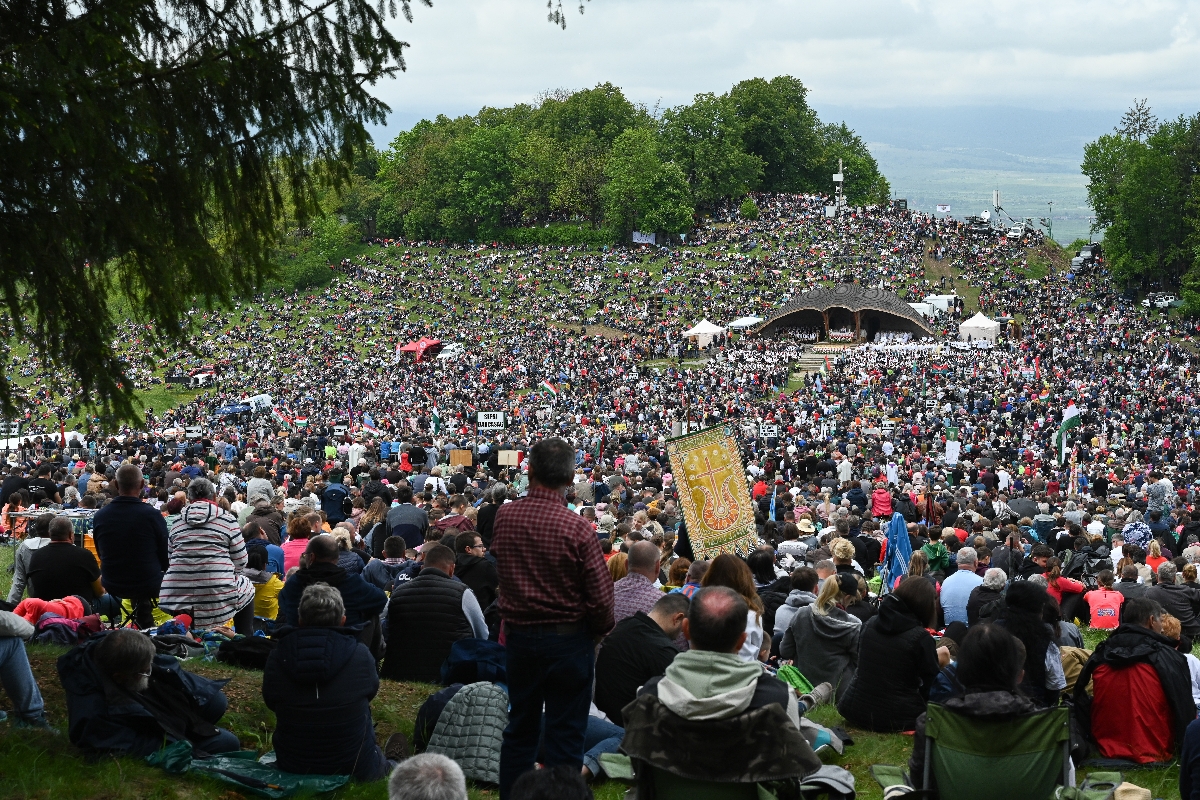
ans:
x=364 y=601
x=480 y=575
x=897 y=664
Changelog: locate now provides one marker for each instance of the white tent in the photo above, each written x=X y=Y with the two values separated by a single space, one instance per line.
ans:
x=924 y=309
x=745 y=322
x=979 y=327
x=703 y=333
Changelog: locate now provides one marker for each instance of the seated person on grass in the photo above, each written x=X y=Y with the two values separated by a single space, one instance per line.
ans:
x=125 y=699
x=16 y=676
x=320 y=680
x=712 y=716
x=1142 y=699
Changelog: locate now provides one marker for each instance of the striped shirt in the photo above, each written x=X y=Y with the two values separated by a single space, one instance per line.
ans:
x=207 y=556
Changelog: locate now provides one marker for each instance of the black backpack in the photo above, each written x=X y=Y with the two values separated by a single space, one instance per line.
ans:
x=250 y=652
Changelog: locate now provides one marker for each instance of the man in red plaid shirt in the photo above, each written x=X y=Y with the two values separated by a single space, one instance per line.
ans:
x=556 y=600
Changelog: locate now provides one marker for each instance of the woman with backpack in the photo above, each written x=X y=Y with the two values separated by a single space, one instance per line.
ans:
x=1068 y=593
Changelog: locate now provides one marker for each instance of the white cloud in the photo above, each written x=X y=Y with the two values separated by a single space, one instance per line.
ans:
x=868 y=53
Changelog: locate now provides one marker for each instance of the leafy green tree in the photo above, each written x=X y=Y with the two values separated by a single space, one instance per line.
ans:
x=864 y=183
x=148 y=147
x=705 y=140
x=748 y=209
x=478 y=181
x=578 y=193
x=782 y=131
x=598 y=116
x=1106 y=162
x=360 y=200
x=538 y=166
x=642 y=192
x=1141 y=184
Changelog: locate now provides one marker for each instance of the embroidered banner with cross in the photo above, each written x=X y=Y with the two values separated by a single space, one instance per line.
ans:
x=711 y=480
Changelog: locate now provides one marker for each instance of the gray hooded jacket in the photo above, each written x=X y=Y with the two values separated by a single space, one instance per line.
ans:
x=824 y=647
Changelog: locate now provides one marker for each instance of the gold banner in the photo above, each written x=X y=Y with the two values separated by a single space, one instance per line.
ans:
x=711 y=481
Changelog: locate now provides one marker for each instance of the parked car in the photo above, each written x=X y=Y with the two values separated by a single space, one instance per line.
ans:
x=452 y=350
x=1161 y=300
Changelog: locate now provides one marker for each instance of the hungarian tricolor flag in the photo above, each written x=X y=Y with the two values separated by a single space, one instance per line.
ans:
x=1071 y=419
x=437 y=421
x=550 y=387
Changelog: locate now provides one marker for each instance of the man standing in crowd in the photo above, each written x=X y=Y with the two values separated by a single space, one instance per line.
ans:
x=556 y=600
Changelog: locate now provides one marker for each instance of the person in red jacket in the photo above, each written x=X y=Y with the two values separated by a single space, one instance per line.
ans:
x=881 y=502
x=1066 y=592
x=1104 y=603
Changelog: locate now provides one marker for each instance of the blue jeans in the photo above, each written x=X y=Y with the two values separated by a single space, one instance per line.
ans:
x=18 y=681
x=600 y=737
x=545 y=667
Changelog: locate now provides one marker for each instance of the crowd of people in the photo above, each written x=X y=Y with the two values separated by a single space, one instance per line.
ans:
x=935 y=526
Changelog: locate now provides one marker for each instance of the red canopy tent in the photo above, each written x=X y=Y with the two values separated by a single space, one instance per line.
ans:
x=422 y=346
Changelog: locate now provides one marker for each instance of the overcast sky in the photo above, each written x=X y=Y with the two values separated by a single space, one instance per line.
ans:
x=868 y=54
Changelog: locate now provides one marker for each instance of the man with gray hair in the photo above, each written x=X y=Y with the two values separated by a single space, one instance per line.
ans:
x=956 y=589
x=988 y=592
x=320 y=680
x=428 y=776
x=1180 y=600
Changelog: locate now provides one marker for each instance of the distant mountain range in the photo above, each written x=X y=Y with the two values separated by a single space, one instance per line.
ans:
x=958 y=156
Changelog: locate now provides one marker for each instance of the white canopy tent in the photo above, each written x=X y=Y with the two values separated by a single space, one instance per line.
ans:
x=703 y=333
x=744 y=322
x=979 y=327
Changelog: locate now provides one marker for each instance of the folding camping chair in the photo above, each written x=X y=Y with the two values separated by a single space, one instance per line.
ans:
x=968 y=758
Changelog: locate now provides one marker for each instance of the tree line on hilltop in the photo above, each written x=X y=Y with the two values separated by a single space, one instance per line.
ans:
x=592 y=166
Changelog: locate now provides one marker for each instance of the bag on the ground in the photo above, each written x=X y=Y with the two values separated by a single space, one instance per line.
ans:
x=250 y=652
x=472 y=660
x=794 y=678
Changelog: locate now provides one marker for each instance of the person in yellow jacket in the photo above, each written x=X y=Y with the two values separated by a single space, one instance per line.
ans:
x=266 y=584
